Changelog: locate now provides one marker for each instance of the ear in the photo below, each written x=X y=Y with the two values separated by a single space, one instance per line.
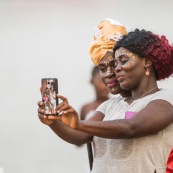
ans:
x=147 y=62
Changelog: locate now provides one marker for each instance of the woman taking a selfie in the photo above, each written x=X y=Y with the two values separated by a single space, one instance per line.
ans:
x=131 y=134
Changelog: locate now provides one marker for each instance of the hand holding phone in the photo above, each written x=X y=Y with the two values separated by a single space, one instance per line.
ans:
x=49 y=90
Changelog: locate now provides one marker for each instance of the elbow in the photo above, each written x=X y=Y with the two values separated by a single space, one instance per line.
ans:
x=76 y=143
x=79 y=143
x=130 y=131
x=83 y=141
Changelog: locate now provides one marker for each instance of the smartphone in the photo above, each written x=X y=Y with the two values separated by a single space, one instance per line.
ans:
x=49 y=90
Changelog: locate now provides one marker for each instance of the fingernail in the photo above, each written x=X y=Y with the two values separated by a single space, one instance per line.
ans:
x=41 y=104
x=61 y=112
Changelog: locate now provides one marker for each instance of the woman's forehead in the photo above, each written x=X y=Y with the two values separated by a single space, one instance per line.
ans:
x=108 y=56
x=106 y=60
x=123 y=52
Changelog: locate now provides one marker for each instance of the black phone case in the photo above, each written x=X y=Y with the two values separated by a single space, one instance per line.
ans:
x=49 y=90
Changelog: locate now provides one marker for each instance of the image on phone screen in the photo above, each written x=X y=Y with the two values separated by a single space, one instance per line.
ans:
x=49 y=90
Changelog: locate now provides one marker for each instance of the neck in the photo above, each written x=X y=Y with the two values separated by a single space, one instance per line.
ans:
x=145 y=93
x=125 y=93
x=147 y=85
x=101 y=99
x=142 y=94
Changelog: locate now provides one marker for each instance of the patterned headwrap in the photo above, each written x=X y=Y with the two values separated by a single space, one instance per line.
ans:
x=105 y=37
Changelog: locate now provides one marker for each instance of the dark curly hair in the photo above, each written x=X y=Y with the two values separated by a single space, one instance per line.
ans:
x=148 y=45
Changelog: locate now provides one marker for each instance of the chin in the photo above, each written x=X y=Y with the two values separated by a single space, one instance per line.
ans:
x=124 y=86
x=114 y=91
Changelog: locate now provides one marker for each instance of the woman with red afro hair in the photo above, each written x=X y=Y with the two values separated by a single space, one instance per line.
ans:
x=148 y=45
x=141 y=59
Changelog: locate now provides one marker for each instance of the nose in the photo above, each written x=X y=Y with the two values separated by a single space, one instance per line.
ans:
x=110 y=72
x=118 y=68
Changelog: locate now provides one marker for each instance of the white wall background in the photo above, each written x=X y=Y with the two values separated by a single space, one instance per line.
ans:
x=40 y=38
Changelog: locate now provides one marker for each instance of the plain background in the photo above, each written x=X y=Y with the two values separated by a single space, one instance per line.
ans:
x=51 y=38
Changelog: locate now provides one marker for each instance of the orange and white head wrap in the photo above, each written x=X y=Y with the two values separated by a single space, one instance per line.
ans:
x=106 y=34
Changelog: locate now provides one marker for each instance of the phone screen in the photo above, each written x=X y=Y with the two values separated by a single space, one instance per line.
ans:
x=49 y=90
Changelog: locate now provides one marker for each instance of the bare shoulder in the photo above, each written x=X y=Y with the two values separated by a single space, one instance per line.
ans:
x=157 y=115
x=165 y=95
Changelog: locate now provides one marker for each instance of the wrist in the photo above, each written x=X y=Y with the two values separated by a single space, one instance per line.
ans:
x=52 y=123
x=80 y=125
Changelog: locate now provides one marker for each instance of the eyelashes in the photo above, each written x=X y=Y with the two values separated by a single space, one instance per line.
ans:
x=124 y=63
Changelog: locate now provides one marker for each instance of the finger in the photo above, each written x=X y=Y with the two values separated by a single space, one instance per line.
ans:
x=70 y=111
x=41 y=116
x=52 y=117
x=40 y=104
x=60 y=105
x=41 y=111
x=64 y=99
x=63 y=108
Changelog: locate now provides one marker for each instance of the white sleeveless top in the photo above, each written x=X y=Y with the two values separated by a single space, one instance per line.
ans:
x=137 y=155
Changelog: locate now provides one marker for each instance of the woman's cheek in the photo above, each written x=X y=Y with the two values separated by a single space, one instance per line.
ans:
x=130 y=64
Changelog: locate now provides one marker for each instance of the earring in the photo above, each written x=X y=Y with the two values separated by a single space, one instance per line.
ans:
x=147 y=72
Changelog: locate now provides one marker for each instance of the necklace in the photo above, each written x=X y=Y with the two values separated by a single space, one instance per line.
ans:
x=131 y=99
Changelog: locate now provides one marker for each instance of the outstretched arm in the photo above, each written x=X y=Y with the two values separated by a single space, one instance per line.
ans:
x=66 y=133
x=70 y=135
x=157 y=115
x=154 y=117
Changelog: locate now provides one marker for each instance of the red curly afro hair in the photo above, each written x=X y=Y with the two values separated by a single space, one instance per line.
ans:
x=148 y=45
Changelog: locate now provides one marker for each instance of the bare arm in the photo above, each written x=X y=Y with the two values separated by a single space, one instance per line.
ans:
x=70 y=135
x=66 y=133
x=74 y=136
x=154 y=117
x=157 y=115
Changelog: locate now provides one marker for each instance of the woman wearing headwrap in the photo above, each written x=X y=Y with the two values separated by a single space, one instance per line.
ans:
x=107 y=33
x=105 y=36
x=135 y=134
x=101 y=52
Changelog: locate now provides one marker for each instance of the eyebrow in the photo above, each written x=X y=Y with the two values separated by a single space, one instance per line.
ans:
x=103 y=63
x=120 y=56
